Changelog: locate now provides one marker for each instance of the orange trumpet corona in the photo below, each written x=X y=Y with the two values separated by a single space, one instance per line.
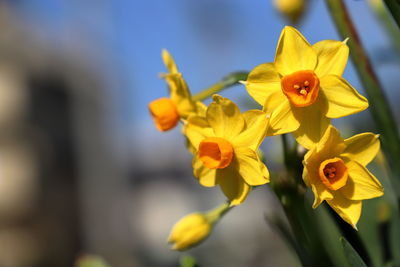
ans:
x=301 y=87
x=333 y=173
x=215 y=152
x=164 y=113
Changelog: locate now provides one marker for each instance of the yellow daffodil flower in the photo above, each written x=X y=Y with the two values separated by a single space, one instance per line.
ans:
x=291 y=9
x=335 y=170
x=189 y=231
x=225 y=143
x=167 y=111
x=303 y=88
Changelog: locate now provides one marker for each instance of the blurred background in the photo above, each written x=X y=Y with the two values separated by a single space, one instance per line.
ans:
x=82 y=167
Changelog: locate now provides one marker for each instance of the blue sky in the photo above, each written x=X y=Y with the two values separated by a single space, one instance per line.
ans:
x=208 y=39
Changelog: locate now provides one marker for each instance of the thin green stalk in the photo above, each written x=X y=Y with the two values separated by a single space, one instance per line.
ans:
x=228 y=81
x=217 y=213
x=290 y=190
x=394 y=8
x=387 y=22
x=379 y=106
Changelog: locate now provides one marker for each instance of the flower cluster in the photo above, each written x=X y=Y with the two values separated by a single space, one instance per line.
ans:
x=300 y=92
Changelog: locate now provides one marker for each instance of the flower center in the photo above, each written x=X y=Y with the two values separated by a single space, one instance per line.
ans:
x=301 y=87
x=333 y=173
x=164 y=113
x=215 y=152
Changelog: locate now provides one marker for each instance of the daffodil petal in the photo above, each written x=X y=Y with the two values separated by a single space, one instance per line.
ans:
x=169 y=61
x=196 y=129
x=331 y=143
x=362 y=147
x=248 y=166
x=306 y=177
x=311 y=178
x=263 y=81
x=320 y=191
x=200 y=109
x=313 y=125
x=232 y=185
x=224 y=117
x=341 y=98
x=264 y=170
x=273 y=101
x=283 y=120
x=348 y=210
x=255 y=130
x=332 y=57
x=180 y=95
x=361 y=184
x=207 y=177
x=294 y=53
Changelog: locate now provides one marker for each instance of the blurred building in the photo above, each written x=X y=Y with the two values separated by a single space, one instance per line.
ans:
x=64 y=192
x=53 y=150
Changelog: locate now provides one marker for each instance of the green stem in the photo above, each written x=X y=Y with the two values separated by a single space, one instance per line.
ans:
x=394 y=8
x=213 y=216
x=302 y=220
x=286 y=152
x=379 y=107
x=290 y=190
x=228 y=81
x=387 y=22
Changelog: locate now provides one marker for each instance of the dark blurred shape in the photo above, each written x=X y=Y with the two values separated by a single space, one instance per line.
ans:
x=46 y=96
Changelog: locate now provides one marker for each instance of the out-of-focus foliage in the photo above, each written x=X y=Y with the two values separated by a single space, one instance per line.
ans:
x=91 y=261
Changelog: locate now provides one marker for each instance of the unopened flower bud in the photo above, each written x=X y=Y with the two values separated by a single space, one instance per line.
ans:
x=291 y=9
x=189 y=231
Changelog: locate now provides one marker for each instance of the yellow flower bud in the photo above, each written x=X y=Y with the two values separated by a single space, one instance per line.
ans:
x=377 y=5
x=189 y=231
x=291 y=9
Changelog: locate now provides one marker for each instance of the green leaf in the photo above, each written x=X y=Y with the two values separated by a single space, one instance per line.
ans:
x=91 y=261
x=352 y=256
x=188 y=261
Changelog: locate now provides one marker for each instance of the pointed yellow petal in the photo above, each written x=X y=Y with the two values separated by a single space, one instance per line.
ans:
x=294 y=53
x=273 y=101
x=311 y=178
x=331 y=144
x=361 y=184
x=362 y=147
x=313 y=125
x=200 y=109
x=283 y=120
x=196 y=129
x=321 y=193
x=248 y=166
x=349 y=210
x=305 y=176
x=341 y=98
x=169 y=61
x=264 y=170
x=263 y=81
x=224 y=117
x=332 y=57
x=232 y=185
x=179 y=93
x=255 y=130
x=206 y=176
